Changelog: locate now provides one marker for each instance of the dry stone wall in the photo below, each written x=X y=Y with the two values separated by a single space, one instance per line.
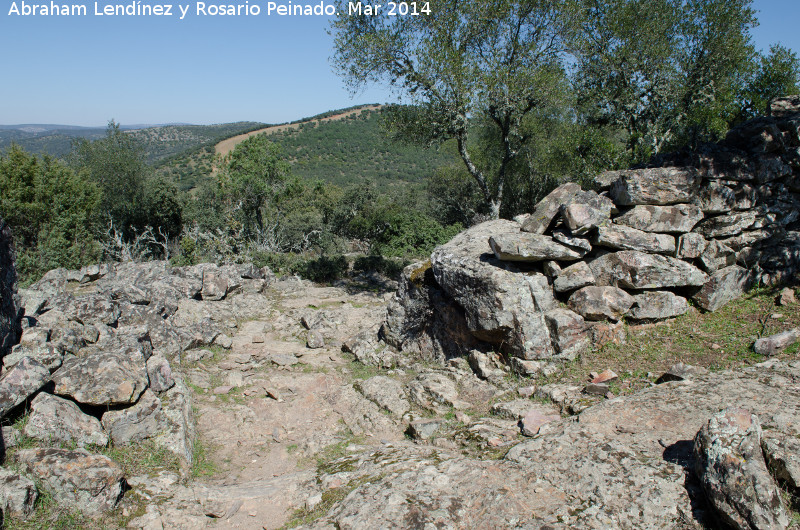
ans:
x=702 y=226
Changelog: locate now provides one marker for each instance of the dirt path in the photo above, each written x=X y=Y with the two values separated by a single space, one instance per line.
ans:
x=227 y=145
x=269 y=408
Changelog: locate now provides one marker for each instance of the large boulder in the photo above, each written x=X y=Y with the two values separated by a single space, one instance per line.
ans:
x=636 y=270
x=724 y=286
x=10 y=329
x=19 y=383
x=573 y=277
x=657 y=186
x=144 y=420
x=501 y=306
x=102 y=378
x=585 y=211
x=734 y=476
x=600 y=303
x=18 y=493
x=658 y=305
x=55 y=420
x=82 y=481
x=678 y=219
x=726 y=225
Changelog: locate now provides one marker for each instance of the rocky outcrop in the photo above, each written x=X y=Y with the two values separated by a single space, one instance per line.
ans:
x=626 y=463
x=9 y=300
x=704 y=226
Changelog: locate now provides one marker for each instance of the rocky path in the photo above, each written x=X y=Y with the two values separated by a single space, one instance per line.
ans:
x=270 y=406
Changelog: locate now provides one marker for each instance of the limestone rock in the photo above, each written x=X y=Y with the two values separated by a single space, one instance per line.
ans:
x=637 y=270
x=658 y=305
x=656 y=186
x=159 y=374
x=726 y=225
x=678 y=219
x=144 y=420
x=573 y=277
x=546 y=209
x=568 y=332
x=102 y=378
x=385 y=392
x=598 y=303
x=625 y=238
x=733 y=473
x=690 y=246
x=18 y=493
x=78 y=479
x=724 y=286
x=18 y=383
x=523 y=246
x=54 y=420
x=585 y=211
x=773 y=344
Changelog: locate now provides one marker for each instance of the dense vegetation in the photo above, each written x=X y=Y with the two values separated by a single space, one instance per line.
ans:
x=508 y=99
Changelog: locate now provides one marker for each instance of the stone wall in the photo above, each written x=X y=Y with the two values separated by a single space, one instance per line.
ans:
x=9 y=301
x=703 y=225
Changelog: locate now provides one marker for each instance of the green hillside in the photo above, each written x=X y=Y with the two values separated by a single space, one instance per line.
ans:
x=161 y=143
x=354 y=149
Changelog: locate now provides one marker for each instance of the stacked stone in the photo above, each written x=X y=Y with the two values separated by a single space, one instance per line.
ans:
x=638 y=246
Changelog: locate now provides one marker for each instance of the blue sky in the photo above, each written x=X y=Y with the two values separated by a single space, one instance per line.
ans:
x=88 y=70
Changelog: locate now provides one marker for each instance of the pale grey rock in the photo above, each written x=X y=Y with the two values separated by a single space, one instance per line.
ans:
x=655 y=186
x=434 y=391
x=102 y=378
x=658 y=305
x=90 y=308
x=585 y=211
x=551 y=269
x=573 y=277
x=85 y=482
x=536 y=418
x=733 y=474
x=179 y=436
x=143 y=420
x=679 y=219
x=626 y=238
x=690 y=246
x=385 y=392
x=484 y=366
x=787 y=297
x=160 y=374
x=20 y=382
x=215 y=284
x=599 y=303
x=500 y=305
x=315 y=340
x=782 y=455
x=44 y=354
x=424 y=429
x=750 y=238
x=605 y=180
x=724 y=286
x=523 y=246
x=546 y=209
x=717 y=255
x=681 y=372
x=54 y=420
x=726 y=225
x=715 y=198
x=518 y=408
x=568 y=238
x=637 y=270
x=568 y=332
x=18 y=493
x=774 y=344
x=32 y=301
x=527 y=368
x=223 y=341
x=609 y=469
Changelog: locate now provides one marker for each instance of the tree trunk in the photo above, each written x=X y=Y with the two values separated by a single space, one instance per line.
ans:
x=494 y=203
